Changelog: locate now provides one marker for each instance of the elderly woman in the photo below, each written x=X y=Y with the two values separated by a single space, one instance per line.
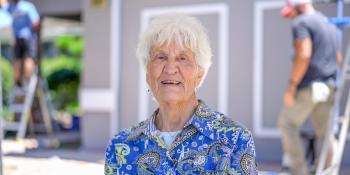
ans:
x=183 y=136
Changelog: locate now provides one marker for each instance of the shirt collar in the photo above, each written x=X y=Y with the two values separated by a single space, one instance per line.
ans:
x=201 y=120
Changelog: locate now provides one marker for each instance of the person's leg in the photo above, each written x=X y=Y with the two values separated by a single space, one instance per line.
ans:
x=29 y=66
x=290 y=121
x=320 y=119
x=17 y=70
x=30 y=61
x=18 y=61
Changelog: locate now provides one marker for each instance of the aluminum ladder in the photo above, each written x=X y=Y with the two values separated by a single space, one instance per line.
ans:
x=338 y=124
x=22 y=107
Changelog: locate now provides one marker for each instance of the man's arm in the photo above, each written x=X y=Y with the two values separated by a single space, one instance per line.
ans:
x=303 y=52
x=3 y=3
x=339 y=58
x=34 y=16
x=36 y=26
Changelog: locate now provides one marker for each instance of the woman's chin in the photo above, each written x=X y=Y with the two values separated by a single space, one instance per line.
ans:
x=171 y=98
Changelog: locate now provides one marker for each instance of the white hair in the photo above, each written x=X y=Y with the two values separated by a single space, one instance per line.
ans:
x=186 y=30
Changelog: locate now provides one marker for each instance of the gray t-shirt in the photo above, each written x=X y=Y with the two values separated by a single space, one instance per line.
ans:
x=323 y=66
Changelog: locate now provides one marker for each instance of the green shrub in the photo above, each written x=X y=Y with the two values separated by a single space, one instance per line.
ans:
x=70 y=45
x=63 y=73
x=7 y=79
x=63 y=77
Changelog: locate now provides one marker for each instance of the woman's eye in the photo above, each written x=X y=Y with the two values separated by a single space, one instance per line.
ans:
x=160 y=57
x=183 y=58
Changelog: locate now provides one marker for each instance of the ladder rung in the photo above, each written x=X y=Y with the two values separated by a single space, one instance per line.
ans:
x=329 y=170
x=11 y=126
x=17 y=108
x=38 y=127
x=342 y=120
x=19 y=91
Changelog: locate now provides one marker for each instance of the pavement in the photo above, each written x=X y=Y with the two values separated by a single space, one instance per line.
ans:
x=25 y=158
x=49 y=166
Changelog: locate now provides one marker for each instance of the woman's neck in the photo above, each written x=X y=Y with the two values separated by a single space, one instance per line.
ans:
x=173 y=116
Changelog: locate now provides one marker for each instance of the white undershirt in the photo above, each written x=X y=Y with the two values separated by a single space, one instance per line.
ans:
x=168 y=137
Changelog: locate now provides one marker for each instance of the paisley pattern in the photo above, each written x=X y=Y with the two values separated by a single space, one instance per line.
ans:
x=209 y=143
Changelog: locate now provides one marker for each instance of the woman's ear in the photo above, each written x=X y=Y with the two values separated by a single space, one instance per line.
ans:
x=199 y=76
x=147 y=75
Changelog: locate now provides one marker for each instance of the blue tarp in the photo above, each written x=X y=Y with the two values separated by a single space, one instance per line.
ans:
x=340 y=22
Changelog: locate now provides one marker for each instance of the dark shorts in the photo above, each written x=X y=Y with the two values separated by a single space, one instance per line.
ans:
x=25 y=48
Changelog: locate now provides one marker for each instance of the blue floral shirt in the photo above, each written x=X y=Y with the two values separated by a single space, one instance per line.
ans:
x=209 y=143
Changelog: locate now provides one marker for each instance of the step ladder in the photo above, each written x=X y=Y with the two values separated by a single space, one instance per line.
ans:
x=20 y=108
x=338 y=124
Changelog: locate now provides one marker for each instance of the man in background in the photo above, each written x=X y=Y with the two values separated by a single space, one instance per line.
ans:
x=25 y=24
x=310 y=91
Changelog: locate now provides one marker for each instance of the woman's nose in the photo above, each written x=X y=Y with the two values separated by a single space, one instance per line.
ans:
x=171 y=67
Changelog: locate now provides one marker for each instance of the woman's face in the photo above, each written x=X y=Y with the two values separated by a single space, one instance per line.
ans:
x=172 y=73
